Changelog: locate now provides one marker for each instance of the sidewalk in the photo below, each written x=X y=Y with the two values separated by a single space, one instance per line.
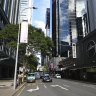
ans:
x=6 y=88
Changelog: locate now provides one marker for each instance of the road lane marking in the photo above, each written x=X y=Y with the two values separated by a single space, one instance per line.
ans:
x=66 y=85
x=59 y=87
x=45 y=86
x=21 y=91
x=62 y=87
x=31 y=90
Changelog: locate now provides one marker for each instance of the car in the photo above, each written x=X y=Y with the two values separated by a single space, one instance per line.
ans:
x=46 y=79
x=45 y=74
x=57 y=75
x=37 y=75
x=31 y=77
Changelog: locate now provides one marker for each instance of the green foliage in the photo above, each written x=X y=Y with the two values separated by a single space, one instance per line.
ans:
x=32 y=62
x=9 y=35
x=37 y=42
x=46 y=68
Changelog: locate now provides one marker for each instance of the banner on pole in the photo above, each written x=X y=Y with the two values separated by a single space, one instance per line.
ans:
x=74 y=50
x=24 y=32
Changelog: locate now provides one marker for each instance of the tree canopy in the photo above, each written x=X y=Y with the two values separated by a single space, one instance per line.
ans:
x=37 y=42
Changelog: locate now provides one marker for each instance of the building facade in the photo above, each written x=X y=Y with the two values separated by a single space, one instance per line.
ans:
x=60 y=25
x=64 y=33
x=9 y=11
x=26 y=10
x=86 y=48
x=84 y=65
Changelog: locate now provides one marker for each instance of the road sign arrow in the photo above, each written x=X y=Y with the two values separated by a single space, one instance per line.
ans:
x=59 y=87
x=31 y=90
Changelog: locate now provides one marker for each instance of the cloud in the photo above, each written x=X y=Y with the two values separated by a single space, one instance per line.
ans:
x=40 y=14
x=40 y=24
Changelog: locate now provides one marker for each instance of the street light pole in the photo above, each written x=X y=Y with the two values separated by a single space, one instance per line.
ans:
x=16 y=60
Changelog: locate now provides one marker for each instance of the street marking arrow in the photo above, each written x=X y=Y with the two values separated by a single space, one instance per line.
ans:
x=59 y=87
x=31 y=90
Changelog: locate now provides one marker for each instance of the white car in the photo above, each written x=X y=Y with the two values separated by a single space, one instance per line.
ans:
x=58 y=76
x=31 y=77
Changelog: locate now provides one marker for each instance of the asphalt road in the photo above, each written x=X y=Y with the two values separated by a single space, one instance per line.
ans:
x=59 y=87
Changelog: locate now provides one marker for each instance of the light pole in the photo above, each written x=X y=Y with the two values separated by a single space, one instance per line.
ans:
x=16 y=60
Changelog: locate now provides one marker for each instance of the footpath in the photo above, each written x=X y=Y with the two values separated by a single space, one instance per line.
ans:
x=6 y=88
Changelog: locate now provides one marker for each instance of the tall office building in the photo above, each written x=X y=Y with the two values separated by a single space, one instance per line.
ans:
x=63 y=27
x=54 y=30
x=91 y=13
x=63 y=24
x=26 y=10
x=9 y=11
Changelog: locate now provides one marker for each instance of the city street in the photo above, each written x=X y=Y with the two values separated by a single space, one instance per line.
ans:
x=59 y=87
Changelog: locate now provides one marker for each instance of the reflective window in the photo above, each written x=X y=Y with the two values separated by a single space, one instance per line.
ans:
x=63 y=20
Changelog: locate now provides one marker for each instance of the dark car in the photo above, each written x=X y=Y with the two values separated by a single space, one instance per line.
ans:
x=46 y=79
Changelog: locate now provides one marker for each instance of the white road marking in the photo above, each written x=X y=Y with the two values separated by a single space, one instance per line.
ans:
x=45 y=86
x=90 y=86
x=59 y=86
x=62 y=87
x=31 y=90
x=2 y=86
x=66 y=85
x=20 y=91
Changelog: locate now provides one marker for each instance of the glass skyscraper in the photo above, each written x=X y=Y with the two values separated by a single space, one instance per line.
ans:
x=63 y=20
x=63 y=26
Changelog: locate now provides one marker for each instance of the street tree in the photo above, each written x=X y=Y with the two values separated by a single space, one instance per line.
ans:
x=37 y=42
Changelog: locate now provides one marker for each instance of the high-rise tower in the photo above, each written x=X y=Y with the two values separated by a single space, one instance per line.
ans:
x=63 y=25
x=27 y=13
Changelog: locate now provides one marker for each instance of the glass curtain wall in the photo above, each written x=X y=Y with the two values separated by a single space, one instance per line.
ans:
x=63 y=30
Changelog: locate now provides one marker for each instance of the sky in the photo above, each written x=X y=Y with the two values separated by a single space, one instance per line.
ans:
x=38 y=19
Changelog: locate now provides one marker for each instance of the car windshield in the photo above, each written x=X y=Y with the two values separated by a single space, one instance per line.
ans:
x=58 y=74
x=31 y=74
x=47 y=77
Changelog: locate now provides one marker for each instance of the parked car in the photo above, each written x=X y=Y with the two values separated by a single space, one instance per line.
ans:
x=46 y=79
x=57 y=75
x=31 y=77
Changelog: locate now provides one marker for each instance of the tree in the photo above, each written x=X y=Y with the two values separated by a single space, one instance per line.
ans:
x=37 y=42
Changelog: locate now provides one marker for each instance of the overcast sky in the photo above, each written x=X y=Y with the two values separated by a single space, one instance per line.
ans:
x=40 y=13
